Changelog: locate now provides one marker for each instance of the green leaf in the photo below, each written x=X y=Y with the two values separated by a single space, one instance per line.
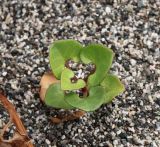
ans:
x=66 y=83
x=55 y=97
x=113 y=87
x=90 y=103
x=102 y=57
x=60 y=52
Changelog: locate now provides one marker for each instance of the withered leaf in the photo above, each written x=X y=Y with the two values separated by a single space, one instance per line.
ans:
x=46 y=80
x=20 y=138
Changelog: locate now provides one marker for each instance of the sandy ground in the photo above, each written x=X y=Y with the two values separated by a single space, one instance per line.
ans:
x=129 y=27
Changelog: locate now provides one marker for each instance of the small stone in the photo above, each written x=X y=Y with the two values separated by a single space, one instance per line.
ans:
x=74 y=66
x=79 y=73
x=47 y=141
x=150 y=99
x=63 y=137
x=14 y=85
x=108 y=10
x=4 y=73
x=133 y=62
x=79 y=130
x=131 y=129
x=37 y=61
x=103 y=39
x=158 y=126
x=149 y=44
x=82 y=75
x=80 y=66
x=14 y=52
x=115 y=142
x=118 y=132
x=142 y=3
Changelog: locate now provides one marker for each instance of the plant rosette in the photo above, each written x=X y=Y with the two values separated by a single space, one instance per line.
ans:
x=79 y=78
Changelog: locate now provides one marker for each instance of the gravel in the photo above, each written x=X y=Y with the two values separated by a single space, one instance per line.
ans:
x=81 y=71
x=130 y=28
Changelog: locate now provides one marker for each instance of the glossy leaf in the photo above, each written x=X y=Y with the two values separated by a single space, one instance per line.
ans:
x=55 y=97
x=66 y=83
x=90 y=103
x=102 y=57
x=60 y=52
x=113 y=87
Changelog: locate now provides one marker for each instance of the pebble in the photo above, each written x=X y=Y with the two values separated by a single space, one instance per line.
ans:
x=133 y=62
x=4 y=73
x=158 y=126
x=63 y=137
x=79 y=130
x=142 y=3
x=48 y=142
x=108 y=10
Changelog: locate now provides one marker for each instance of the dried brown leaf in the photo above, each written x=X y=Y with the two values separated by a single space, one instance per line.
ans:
x=72 y=116
x=20 y=138
x=46 y=80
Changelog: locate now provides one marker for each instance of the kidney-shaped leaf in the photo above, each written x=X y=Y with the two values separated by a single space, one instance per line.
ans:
x=55 y=97
x=66 y=83
x=113 y=87
x=90 y=103
x=60 y=52
x=102 y=57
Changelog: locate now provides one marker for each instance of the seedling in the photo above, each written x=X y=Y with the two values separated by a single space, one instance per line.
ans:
x=79 y=78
